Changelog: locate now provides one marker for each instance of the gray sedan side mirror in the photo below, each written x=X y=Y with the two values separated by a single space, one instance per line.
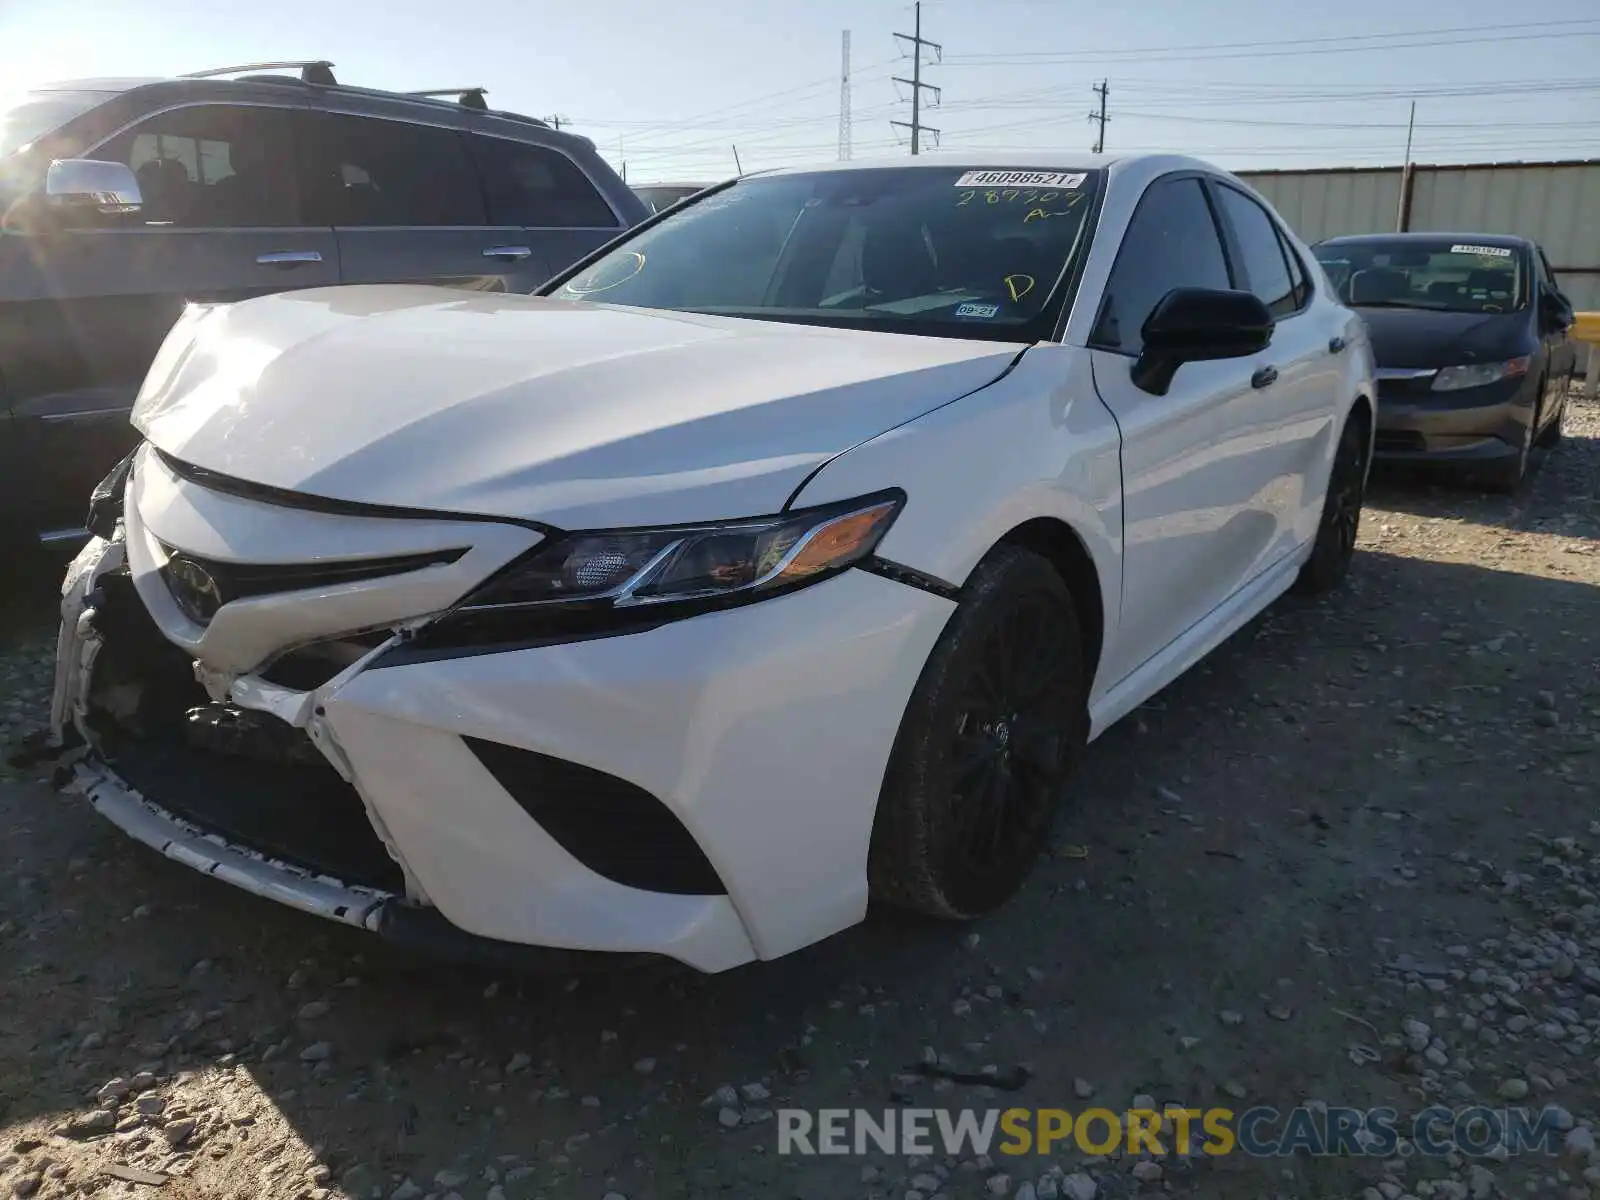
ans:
x=78 y=184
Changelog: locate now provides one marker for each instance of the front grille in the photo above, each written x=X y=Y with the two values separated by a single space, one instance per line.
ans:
x=201 y=586
x=1404 y=389
x=611 y=826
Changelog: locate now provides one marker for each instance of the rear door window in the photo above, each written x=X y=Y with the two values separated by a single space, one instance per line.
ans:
x=537 y=186
x=212 y=166
x=1266 y=266
x=365 y=172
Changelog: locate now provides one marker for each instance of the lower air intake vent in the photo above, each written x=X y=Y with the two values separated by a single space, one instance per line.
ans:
x=611 y=826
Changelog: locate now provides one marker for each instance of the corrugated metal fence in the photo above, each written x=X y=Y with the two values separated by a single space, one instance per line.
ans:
x=1555 y=203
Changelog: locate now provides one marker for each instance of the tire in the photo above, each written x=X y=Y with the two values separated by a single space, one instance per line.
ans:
x=992 y=730
x=1335 y=544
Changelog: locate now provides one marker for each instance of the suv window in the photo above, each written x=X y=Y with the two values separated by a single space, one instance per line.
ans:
x=363 y=171
x=537 y=186
x=1172 y=241
x=1266 y=270
x=213 y=166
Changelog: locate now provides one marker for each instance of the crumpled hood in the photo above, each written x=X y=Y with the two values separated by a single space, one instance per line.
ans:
x=577 y=414
x=1414 y=337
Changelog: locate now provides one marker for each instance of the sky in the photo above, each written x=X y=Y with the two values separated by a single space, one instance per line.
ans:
x=669 y=89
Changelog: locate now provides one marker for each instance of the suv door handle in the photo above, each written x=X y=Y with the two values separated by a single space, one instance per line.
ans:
x=1335 y=344
x=513 y=252
x=1264 y=377
x=288 y=258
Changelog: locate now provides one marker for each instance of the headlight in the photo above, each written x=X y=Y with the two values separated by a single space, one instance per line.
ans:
x=642 y=575
x=1453 y=379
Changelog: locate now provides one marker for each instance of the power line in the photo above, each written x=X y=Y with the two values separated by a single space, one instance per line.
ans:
x=917 y=41
x=1307 y=45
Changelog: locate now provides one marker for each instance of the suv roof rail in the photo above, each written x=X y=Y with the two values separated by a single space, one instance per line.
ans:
x=316 y=71
x=471 y=97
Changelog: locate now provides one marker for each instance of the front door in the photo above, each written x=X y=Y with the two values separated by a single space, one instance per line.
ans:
x=407 y=205
x=88 y=304
x=1201 y=509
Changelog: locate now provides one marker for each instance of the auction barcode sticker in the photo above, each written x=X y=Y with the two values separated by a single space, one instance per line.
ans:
x=1486 y=251
x=1021 y=179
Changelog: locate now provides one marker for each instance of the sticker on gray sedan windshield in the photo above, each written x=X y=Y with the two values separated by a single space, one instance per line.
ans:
x=1021 y=179
x=977 y=310
x=1486 y=251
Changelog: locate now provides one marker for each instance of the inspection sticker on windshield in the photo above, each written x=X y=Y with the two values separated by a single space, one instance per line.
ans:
x=977 y=310
x=1486 y=251
x=1021 y=179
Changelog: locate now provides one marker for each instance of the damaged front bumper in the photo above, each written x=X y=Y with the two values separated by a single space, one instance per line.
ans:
x=400 y=916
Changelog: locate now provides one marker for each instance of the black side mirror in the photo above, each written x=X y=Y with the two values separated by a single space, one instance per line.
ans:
x=1199 y=325
x=1554 y=310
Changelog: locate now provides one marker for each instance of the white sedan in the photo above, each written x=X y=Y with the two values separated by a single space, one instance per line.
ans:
x=781 y=556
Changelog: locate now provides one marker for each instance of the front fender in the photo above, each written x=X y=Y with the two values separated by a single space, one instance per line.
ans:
x=1035 y=443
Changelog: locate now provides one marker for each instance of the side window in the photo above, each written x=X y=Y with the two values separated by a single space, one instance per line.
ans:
x=1265 y=268
x=362 y=171
x=213 y=166
x=537 y=186
x=1172 y=241
x=1298 y=280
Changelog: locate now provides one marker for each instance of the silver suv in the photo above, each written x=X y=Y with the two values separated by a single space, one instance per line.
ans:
x=121 y=200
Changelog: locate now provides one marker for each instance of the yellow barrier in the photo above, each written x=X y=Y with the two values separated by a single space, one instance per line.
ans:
x=1587 y=327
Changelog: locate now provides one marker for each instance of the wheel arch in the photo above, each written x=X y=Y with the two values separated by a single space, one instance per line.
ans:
x=1056 y=541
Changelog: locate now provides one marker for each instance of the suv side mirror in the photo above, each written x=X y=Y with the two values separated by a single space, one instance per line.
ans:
x=76 y=185
x=1199 y=325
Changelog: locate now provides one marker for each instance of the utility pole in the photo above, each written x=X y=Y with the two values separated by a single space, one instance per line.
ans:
x=1402 y=219
x=915 y=83
x=844 y=98
x=556 y=121
x=1101 y=89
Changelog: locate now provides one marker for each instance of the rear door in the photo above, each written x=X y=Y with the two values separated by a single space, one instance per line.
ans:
x=1200 y=481
x=1299 y=405
x=406 y=204
x=543 y=193
x=220 y=221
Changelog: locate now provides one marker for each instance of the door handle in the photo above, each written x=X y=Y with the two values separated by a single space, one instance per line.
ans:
x=511 y=252
x=1264 y=377
x=1335 y=345
x=288 y=258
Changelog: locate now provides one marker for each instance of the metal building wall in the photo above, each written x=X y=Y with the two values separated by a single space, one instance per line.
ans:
x=1557 y=204
x=1328 y=203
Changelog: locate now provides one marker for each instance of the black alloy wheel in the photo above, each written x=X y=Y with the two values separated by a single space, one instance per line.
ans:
x=1335 y=544
x=986 y=745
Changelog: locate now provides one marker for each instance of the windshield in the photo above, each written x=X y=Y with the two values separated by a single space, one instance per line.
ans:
x=944 y=251
x=31 y=115
x=1446 y=275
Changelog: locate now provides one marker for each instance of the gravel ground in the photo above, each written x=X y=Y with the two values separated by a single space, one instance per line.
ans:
x=1354 y=858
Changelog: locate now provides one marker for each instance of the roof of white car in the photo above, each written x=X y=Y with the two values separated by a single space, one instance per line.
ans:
x=1041 y=160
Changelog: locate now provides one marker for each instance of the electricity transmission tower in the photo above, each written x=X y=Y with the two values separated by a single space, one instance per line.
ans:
x=844 y=98
x=916 y=85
